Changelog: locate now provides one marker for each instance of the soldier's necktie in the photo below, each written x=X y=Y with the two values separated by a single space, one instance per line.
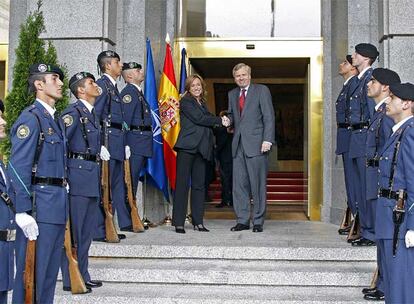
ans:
x=242 y=100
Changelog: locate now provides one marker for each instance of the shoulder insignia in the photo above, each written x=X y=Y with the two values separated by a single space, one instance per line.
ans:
x=22 y=131
x=68 y=120
x=127 y=98
x=100 y=90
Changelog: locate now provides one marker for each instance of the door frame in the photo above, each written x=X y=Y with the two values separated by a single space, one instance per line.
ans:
x=311 y=48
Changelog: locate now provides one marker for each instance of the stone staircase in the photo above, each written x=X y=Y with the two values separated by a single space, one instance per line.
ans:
x=290 y=262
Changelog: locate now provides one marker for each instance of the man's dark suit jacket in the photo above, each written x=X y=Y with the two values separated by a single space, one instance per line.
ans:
x=196 y=133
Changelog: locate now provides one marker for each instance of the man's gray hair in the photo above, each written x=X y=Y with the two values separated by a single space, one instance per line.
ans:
x=241 y=65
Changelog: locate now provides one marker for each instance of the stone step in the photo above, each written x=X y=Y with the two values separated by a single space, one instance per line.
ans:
x=125 y=250
x=232 y=272
x=132 y=293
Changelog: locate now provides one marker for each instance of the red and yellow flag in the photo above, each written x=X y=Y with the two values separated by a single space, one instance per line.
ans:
x=169 y=115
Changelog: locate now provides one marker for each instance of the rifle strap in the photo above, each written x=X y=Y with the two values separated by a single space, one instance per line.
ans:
x=394 y=159
x=83 y=121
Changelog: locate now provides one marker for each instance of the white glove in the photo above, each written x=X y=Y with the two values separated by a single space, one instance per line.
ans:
x=409 y=239
x=28 y=225
x=104 y=153
x=225 y=121
x=266 y=146
x=127 y=152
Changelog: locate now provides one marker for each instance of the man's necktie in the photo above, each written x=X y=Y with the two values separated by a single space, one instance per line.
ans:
x=242 y=99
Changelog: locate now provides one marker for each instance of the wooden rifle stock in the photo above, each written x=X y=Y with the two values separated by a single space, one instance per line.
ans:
x=137 y=225
x=77 y=283
x=355 y=232
x=30 y=273
x=110 y=230
x=374 y=278
x=346 y=220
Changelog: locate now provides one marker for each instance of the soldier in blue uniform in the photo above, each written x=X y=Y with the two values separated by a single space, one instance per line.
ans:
x=378 y=133
x=83 y=134
x=138 y=117
x=110 y=110
x=343 y=134
x=394 y=227
x=361 y=110
x=7 y=225
x=38 y=176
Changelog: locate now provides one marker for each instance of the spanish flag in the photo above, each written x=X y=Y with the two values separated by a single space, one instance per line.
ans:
x=169 y=114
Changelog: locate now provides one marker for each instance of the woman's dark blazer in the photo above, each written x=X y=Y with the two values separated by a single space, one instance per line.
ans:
x=196 y=133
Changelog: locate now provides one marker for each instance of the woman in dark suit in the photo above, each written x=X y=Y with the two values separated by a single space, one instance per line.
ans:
x=194 y=147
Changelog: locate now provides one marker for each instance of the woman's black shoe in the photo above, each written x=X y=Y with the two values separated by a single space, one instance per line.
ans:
x=200 y=227
x=179 y=229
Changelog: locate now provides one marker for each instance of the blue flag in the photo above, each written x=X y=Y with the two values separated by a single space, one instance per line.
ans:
x=155 y=166
x=183 y=72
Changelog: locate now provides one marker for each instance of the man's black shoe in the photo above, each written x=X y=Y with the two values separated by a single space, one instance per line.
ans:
x=240 y=227
x=257 y=228
x=378 y=295
x=369 y=290
x=362 y=242
x=222 y=204
x=344 y=231
x=128 y=229
x=121 y=236
x=88 y=289
x=93 y=284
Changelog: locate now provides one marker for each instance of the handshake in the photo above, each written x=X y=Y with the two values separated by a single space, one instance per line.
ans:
x=225 y=121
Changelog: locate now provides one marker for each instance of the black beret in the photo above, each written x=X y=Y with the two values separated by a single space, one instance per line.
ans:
x=78 y=77
x=367 y=50
x=131 y=65
x=1 y=106
x=405 y=91
x=349 y=59
x=386 y=76
x=107 y=54
x=42 y=68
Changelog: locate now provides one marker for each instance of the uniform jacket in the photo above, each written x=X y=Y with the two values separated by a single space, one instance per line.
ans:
x=83 y=175
x=6 y=248
x=343 y=135
x=380 y=127
x=51 y=201
x=403 y=179
x=257 y=122
x=361 y=110
x=116 y=137
x=137 y=113
x=196 y=133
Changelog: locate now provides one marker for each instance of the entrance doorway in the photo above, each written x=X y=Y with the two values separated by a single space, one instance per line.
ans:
x=294 y=79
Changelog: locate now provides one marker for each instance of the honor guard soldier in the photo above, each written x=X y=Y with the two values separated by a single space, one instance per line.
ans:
x=82 y=130
x=361 y=110
x=394 y=227
x=343 y=135
x=7 y=225
x=37 y=173
x=379 y=131
x=111 y=113
x=138 y=117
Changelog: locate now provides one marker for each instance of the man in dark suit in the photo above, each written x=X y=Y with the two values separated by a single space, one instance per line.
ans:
x=252 y=115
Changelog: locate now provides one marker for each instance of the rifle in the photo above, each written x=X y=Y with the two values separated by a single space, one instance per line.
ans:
x=77 y=283
x=354 y=232
x=30 y=265
x=398 y=218
x=374 y=280
x=137 y=225
x=346 y=221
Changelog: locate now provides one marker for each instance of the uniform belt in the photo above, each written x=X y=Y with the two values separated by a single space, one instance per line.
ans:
x=51 y=181
x=113 y=125
x=140 y=128
x=390 y=194
x=343 y=125
x=372 y=162
x=83 y=156
x=8 y=235
x=358 y=126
